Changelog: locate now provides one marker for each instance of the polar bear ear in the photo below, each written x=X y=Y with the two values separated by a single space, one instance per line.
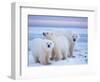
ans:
x=52 y=33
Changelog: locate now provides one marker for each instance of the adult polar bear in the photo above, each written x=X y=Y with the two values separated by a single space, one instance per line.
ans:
x=41 y=50
x=61 y=45
x=64 y=43
x=72 y=36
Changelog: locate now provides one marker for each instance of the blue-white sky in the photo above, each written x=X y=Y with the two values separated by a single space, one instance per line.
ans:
x=57 y=21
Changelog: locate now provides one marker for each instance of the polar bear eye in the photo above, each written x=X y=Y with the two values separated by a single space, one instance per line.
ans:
x=50 y=43
x=73 y=36
x=47 y=32
x=44 y=34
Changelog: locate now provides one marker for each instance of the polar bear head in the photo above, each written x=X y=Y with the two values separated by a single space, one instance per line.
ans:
x=49 y=35
x=75 y=37
x=49 y=45
x=71 y=35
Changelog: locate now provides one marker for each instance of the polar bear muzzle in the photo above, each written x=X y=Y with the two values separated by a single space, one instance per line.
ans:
x=74 y=39
x=48 y=45
x=44 y=34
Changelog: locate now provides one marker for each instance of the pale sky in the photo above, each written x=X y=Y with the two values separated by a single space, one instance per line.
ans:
x=57 y=21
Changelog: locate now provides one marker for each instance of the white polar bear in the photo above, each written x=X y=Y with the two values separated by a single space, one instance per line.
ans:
x=72 y=36
x=41 y=50
x=61 y=45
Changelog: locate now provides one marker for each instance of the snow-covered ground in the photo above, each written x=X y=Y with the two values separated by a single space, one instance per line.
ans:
x=80 y=51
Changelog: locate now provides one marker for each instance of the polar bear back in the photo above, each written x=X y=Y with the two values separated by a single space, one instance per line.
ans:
x=63 y=43
x=37 y=44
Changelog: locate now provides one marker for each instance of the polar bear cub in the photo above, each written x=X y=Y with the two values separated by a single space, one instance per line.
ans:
x=61 y=48
x=41 y=50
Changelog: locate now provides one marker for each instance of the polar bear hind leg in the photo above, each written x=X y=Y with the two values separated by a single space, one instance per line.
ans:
x=36 y=59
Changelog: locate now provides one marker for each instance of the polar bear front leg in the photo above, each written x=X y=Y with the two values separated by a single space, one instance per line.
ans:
x=47 y=58
x=44 y=59
x=52 y=55
x=58 y=55
x=71 y=51
x=65 y=54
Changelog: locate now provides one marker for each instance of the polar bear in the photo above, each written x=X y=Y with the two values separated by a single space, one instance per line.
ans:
x=61 y=45
x=72 y=37
x=41 y=50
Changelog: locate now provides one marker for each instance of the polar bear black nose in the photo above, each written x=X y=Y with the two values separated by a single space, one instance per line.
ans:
x=48 y=46
x=74 y=39
x=43 y=33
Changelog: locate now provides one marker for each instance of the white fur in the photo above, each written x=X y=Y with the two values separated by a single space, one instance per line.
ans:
x=40 y=50
x=63 y=45
x=61 y=48
x=70 y=35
